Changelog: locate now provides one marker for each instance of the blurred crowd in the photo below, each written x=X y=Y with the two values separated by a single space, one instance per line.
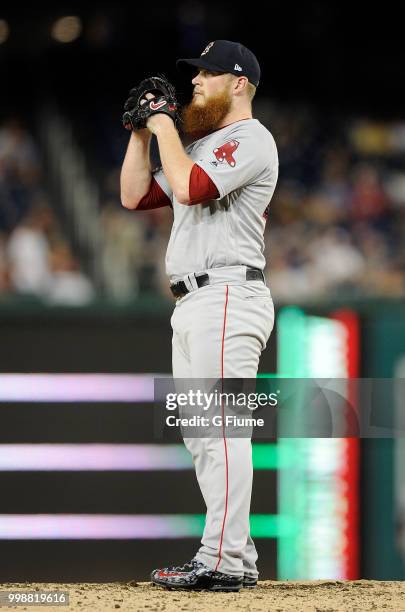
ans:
x=336 y=225
x=36 y=257
x=337 y=220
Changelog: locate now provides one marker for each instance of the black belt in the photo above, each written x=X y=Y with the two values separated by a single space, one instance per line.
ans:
x=179 y=289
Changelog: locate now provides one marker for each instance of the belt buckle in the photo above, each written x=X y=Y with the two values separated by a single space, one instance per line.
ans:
x=255 y=274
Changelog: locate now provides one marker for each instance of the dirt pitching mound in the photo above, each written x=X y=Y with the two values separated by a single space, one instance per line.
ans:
x=316 y=596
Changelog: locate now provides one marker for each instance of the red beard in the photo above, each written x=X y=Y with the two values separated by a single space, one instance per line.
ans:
x=199 y=120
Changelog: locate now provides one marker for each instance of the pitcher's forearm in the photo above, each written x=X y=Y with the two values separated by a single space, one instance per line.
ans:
x=136 y=169
x=176 y=163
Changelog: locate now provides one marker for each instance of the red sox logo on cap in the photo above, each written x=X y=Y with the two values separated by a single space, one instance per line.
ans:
x=207 y=48
x=225 y=152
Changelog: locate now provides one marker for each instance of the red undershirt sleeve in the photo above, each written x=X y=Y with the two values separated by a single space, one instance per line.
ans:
x=201 y=187
x=155 y=198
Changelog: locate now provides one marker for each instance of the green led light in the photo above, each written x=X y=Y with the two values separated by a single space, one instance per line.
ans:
x=266 y=375
x=292 y=352
x=261 y=525
x=270 y=526
x=265 y=457
x=292 y=343
x=272 y=456
x=307 y=347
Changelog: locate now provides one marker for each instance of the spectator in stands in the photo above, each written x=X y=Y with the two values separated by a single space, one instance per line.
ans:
x=329 y=201
x=336 y=261
x=123 y=252
x=368 y=200
x=5 y=283
x=67 y=285
x=19 y=173
x=28 y=252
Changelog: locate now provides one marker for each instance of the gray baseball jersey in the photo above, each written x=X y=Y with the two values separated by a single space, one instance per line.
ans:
x=241 y=159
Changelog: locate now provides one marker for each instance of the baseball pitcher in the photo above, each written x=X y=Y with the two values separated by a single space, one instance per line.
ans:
x=219 y=188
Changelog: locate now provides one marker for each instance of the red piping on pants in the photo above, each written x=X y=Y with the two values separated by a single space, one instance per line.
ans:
x=223 y=432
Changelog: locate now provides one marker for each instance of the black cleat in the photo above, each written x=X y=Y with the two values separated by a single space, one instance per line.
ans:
x=195 y=576
x=249 y=582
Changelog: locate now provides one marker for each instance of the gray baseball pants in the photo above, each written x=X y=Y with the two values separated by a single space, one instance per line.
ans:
x=219 y=331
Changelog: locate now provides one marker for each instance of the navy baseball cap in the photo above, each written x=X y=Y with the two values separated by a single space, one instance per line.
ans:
x=226 y=56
